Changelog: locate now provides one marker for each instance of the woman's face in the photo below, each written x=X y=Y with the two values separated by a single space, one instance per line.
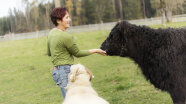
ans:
x=65 y=21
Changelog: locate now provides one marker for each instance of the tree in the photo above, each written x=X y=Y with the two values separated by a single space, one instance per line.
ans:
x=77 y=12
x=47 y=7
x=109 y=14
x=19 y=21
x=89 y=15
x=170 y=6
x=100 y=9
x=57 y=3
x=4 y=26
x=120 y=9
x=11 y=25
x=150 y=12
x=144 y=8
x=69 y=5
x=184 y=6
x=166 y=8
x=130 y=12
x=35 y=13
x=114 y=8
x=27 y=13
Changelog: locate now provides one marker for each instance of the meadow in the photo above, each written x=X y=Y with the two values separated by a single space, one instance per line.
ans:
x=25 y=73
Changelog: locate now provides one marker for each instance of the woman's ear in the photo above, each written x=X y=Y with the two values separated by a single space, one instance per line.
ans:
x=59 y=21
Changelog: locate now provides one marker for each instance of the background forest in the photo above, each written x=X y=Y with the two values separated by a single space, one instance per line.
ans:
x=36 y=15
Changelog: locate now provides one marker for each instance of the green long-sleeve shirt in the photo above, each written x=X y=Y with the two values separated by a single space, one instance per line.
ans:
x=61 y=46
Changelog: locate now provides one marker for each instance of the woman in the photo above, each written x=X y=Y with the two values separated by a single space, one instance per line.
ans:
x=62 y=48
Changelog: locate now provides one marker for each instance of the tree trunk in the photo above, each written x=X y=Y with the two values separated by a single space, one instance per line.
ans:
x=121 y=10
x=144 y=11
x=163 y=17
x=100 y=10
x=11 y=21
x=57 y=3
x=169 y=16
x=114 y=6
x=36 y=15
x=28 y=18
x=62 y=3
x=47 y=16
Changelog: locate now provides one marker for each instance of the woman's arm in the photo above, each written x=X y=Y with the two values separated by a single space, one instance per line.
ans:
x=72 y=47
x=99 y=51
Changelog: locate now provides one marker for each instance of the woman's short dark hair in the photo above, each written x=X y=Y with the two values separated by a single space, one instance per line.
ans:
x=58 y=14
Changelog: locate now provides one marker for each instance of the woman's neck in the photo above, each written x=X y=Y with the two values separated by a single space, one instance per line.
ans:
x=61 y=28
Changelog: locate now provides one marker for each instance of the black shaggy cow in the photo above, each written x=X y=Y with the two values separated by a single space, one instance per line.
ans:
x=160 y=53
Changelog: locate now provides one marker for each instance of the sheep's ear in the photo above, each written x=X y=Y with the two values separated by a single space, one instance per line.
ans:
x=73 y=75
x=90 y=74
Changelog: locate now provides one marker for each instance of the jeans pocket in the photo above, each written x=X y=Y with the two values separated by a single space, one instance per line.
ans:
x=67 y=69
x=56 y=77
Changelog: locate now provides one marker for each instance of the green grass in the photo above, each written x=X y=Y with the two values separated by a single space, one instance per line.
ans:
x=174 y=25
x=25 y=74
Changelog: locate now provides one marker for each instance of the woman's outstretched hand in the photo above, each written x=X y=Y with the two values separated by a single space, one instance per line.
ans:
x=99 y=51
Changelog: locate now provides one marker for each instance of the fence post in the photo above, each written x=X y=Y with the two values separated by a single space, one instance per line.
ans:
x=37 y=34
x=12 y=36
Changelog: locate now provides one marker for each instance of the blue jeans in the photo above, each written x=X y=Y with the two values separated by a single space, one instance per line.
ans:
x=60 y=76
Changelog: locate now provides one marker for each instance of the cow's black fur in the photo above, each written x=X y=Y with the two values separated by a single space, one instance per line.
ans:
x=160 y=53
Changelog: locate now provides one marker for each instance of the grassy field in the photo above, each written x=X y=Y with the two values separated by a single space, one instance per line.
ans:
x=25 y=74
